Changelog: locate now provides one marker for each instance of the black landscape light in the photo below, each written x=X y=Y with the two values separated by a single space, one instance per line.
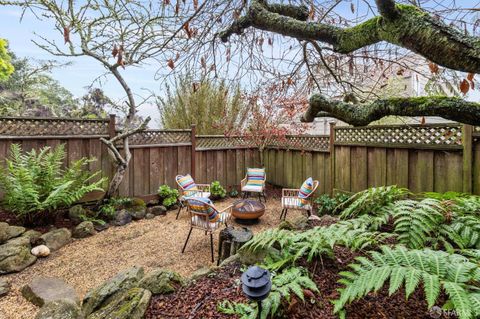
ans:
x=256 y=285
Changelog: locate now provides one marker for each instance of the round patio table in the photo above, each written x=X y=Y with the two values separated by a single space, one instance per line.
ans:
x=247 y=211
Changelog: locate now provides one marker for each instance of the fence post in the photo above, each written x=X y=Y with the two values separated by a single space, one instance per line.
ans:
x=111 y=126
x=332 y=157
x=193 y=151
x=467 y=157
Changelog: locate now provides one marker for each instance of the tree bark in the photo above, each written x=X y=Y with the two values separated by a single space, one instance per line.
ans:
x=450 y=108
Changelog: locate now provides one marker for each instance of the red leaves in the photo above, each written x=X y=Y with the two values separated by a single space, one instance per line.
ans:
x=464 y=86
x=311 y=13
x=186 y=27
x=171 y=64
x=195 y=5
x=115 y=51
x=66 y=34
x=433 y=67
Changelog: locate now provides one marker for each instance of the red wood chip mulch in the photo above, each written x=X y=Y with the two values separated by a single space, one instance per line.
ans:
x=199 y=299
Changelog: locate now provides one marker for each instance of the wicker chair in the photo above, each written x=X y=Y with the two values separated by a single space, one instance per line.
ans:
x=206 y=217
x=199 y=190
x=254 y=185
x=291 y=200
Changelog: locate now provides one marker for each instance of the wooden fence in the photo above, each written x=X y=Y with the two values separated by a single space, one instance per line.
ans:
x=437 y=157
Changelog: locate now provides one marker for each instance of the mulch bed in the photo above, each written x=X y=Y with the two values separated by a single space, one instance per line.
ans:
x=59 y=221
x=199 y=299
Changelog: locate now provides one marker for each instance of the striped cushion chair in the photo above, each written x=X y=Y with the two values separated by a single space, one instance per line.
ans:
x=300 y=199
x=204 y=216
x=254 y=182
x=188 y=188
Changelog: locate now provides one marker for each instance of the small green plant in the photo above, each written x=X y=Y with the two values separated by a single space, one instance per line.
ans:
x=233 y=192
x=326 y=204
x=168 y=195
x=36 y=184
x=109 y=208
x=217 y=191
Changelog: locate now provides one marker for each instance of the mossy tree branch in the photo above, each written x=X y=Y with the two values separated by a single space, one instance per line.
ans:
x=402 y=25
x=450 y=108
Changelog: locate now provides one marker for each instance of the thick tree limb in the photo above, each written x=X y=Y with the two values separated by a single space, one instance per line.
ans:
x=402 y=25
x=450 y=108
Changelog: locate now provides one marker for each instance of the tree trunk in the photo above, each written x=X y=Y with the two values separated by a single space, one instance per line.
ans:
x=230 y=241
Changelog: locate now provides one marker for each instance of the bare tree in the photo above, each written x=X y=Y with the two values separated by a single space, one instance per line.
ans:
x=118 y=34
x=406 y=26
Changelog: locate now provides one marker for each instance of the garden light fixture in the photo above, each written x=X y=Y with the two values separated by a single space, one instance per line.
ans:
x=256 y=285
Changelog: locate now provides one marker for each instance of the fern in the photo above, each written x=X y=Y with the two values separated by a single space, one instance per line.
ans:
x=35 y=182
x=371 y=200
x=291 y=281
x=436 y=270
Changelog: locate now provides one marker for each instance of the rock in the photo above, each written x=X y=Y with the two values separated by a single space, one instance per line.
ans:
x=153 y=202
x=100 y=296
x=248 y=257
x=40 y=251
x=43 y=290
x=229 y=260
x=84 y=229
x=157 y=210
x=75 y=214
x=160 y=281
x=19 y=241
x=138 y=213
x=173 y=207
x=4 y=287
x=122 y=217
x=60 y=309
x=298 y=223
x=57 y=238
x=34 y=237
x=101 y=227
x=7 y=232
x=14 y=258
x=149 y=216
x=130 y=304
x=201 y=272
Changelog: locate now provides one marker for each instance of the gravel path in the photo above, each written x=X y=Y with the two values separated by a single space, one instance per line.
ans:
x=88 y=262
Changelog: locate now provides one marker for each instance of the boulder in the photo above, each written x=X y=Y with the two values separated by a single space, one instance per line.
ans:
x=19 y=241
x=157 y=210
x=160 y=281
x=149 y=216
x=57 y=238
x=101 y=227
x=201 y=272
x=153 y=202
x=138 y=213
x=130 y=304
x=43 y=290
x=84 y=229
x=76 y=214
x=34 y=237
x=100 y=296
x=60 y=309
x=122 y=217
x=14 y=258
x=7 y=232
x=4 y=287
x=248 y=257
x=40 y=251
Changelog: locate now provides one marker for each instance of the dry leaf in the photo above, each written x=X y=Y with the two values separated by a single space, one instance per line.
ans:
x=171 y=64
x=422 y=120
x=470 y=76
x=203 y=62
x=352 y=7
x=464 y=86
x=115 y=51
x=66 y=34
x=195 y=4
x=433 y=67
x=186 y=27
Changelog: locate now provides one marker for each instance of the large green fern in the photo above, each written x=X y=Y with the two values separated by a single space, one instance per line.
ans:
x=435 y=270
x=35 y=182
x=371 y=201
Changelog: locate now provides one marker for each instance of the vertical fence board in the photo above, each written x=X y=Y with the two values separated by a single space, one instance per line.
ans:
x=377 y=166
x=279 y=168
x=358 y=173
x=342 y=167
x=476 y=167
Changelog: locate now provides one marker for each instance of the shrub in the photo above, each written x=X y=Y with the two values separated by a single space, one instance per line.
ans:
x=35 y=183
x=326 y=204
x=110 y=206
x=168 y=195
x=233 y=192
x=217 y=191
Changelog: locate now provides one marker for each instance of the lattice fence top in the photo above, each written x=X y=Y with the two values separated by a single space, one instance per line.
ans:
x=160 y=137
x=10 y=126
x=440 y=135
x=302 y=142
x=221 y=142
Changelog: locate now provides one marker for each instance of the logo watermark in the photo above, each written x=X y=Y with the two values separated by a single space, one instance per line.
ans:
x=436 y=312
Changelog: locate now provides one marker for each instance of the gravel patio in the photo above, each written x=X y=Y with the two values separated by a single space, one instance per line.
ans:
x=88 y=262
